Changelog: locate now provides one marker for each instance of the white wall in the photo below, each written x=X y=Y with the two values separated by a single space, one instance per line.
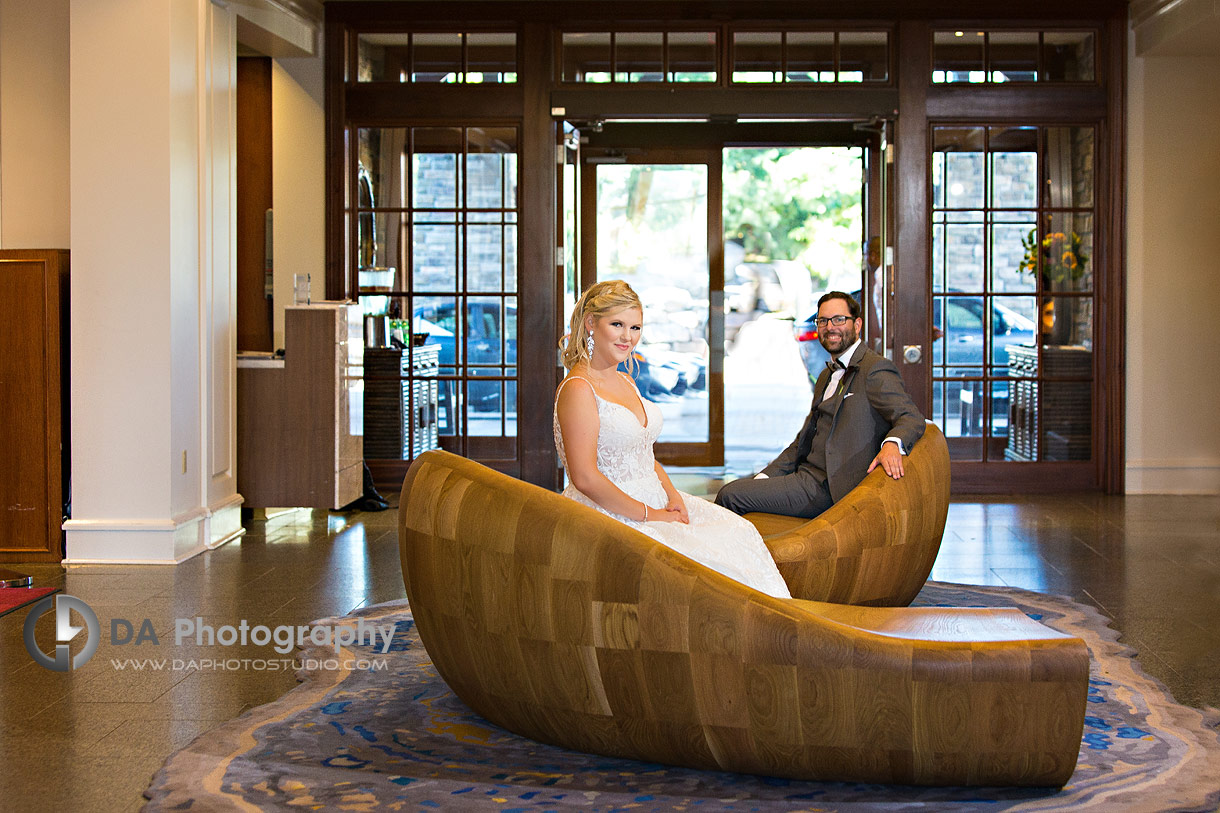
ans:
x=34 y=211
x=298 y=163
x=152 y=328
x=1173 y=295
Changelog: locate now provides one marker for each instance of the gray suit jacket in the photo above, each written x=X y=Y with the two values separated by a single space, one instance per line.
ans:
x=872 y=405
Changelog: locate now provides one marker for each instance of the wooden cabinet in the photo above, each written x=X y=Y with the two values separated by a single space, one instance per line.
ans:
x=1060 y=426
x=34 y=434
x=400 y=402
x=299 y=422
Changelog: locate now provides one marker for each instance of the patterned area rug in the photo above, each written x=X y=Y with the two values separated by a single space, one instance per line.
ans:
x=398 y=739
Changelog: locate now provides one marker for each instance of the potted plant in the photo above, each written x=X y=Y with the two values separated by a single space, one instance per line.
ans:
x=1060 y=260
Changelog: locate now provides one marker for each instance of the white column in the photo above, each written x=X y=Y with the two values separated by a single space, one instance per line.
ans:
x=153 y=313
x=1173 y=197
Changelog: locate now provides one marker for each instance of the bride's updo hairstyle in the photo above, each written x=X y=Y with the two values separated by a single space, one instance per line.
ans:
x=598 y=300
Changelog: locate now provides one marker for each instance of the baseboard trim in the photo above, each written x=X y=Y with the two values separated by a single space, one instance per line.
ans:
x=1173 y=476
x=130 y=541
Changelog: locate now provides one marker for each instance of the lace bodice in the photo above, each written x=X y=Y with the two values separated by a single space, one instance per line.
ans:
x=624 y=446
x=715 y=537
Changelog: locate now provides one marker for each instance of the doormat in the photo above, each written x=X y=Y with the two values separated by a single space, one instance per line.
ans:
x=14 y=598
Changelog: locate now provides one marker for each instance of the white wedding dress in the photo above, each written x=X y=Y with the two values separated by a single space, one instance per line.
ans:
x=715 y=537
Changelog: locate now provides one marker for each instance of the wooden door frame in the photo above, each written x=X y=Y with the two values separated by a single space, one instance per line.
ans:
x=710 y=452
x=924 y=105
x=538 y=102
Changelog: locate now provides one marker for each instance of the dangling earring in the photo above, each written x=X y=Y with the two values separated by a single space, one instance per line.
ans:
x=589 y=344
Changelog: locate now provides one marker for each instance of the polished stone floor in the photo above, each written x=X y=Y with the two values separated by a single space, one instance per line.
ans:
x=91 y=739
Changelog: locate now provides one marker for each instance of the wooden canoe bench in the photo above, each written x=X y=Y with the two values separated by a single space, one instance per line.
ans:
x=876 y=545
x=561 y=624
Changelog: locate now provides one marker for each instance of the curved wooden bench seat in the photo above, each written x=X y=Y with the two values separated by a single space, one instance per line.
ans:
x=561 y=624
x=877 y=544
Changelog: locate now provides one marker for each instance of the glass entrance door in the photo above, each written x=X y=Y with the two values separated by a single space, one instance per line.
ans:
x=655 y=223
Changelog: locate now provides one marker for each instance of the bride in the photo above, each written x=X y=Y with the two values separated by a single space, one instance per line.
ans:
x=604 y=432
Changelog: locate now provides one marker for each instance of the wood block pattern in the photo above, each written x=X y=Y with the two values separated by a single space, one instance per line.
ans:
x=561 y=624
x=876 y=545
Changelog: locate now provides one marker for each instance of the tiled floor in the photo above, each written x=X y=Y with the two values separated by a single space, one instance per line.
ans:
x=92 y=739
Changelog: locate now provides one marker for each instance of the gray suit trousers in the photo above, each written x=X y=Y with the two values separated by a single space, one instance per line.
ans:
x=799 y=494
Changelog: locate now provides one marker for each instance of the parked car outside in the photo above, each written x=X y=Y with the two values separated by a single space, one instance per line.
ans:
x=663 y=375
x=740 y=290
x=965 y=328
x=483 y=344
x=959 y=339
x=778 y=286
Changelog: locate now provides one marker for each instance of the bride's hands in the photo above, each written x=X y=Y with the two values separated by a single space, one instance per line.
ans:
x=674 y=511
x=665 y=515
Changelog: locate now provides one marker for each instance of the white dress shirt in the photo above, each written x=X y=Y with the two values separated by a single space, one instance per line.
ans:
x=832 y=387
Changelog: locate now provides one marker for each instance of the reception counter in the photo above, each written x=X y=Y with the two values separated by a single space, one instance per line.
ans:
x=299 y=416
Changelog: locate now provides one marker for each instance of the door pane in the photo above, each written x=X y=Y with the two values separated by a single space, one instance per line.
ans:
x=964 y=257
x=435 y=250
x=638 y=56
x=692 y=56
x=1013 y=323
x=435 y=167
x=1067 y=56
x=1067 y=172
x=1012 y=56
x=1010 y=244
x=811 y=56
x=1066 y=252
x=999 y=420
x=863 y=56
x=586 y=56
x=436 y=242
x=436 y=57
x=652 y=232
x=964 y=334
x=1026 y=330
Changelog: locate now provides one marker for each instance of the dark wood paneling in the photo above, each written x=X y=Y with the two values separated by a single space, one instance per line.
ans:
x=253 y=201
x=1022 y=478
x=1110 y=429
x=338 y=284
x=387 y=102
x=998 y=104
x=374 y=14
x=909 y=316
x=34 y=388
x=721 y=134
x=537 y=330
x=830 y=102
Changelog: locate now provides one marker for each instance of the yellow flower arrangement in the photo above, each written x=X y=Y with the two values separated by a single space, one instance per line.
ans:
x=1058 y=255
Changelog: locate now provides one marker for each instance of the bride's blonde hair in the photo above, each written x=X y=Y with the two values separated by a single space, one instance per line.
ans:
x=599 y=299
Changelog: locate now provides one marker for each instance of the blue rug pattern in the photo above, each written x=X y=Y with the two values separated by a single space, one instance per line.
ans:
x=398 y=739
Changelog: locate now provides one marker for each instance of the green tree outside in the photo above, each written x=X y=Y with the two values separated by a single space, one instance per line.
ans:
x=796 y=203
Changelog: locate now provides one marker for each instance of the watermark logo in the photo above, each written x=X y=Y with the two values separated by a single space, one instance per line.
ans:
x=64 y=632
x=283 y=638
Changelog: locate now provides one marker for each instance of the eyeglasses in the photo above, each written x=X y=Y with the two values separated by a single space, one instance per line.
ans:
x=837 y=320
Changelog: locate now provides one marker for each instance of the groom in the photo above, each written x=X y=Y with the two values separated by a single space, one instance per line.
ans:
x=861 y=418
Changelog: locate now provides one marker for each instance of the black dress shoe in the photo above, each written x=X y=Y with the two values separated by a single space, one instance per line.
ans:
x=372 y=504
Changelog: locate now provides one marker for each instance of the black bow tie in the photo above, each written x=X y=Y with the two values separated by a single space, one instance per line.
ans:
x=834 y=364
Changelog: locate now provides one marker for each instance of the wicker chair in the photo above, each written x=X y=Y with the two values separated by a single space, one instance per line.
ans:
x=561 y=624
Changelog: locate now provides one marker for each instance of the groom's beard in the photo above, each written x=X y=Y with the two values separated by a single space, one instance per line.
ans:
x=837 y=344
